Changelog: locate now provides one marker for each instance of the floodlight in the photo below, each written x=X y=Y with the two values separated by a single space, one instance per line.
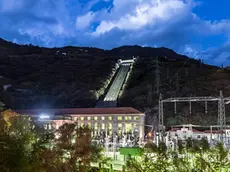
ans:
x=44 y=116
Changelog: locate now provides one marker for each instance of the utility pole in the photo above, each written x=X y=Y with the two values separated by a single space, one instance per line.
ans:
x=157 y=76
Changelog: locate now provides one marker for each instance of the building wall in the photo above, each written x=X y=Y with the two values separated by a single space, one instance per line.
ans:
x=109 y=124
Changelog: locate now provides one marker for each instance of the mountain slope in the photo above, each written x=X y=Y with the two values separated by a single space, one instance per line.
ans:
x=77 y=77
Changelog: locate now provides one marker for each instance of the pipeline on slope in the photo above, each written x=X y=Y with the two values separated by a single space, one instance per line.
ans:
x=112 y=95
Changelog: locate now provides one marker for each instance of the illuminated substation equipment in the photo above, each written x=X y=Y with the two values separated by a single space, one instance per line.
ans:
x=221 y=121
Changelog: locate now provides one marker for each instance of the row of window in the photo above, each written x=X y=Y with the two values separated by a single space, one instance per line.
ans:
x=127 y=126
x=108 y=118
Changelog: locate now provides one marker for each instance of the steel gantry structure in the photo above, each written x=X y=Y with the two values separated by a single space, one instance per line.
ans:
x=221 y=122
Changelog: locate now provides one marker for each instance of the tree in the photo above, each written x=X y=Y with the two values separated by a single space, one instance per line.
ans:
x=154 y=159
x=75 y=147
x=26 y=148
x=219 y=158
x=16 y=139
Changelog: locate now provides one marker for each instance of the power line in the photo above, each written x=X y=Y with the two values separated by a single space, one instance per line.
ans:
x=180 y=69
x=221 y=108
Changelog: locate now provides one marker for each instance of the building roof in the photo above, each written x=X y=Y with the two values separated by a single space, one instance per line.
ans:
x=180 y=129
x=197 y=131
x=83 y=111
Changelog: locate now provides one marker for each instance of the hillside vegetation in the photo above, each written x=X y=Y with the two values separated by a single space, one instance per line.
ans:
x=78 y=76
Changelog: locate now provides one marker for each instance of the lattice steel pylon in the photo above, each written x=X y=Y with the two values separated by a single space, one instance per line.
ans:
x=221 y=116
x=160 y=118
x=221 y=121
x=157 y=76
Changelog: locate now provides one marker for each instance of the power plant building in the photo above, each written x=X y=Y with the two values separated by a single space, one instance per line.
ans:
x=103 y=121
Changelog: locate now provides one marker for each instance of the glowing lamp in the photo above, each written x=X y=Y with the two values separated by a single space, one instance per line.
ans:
x=44 y=116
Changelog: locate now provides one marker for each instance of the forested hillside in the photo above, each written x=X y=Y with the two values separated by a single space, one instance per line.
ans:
x=78 y=76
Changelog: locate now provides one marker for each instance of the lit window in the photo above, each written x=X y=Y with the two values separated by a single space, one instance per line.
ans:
x=88 y=118
x=110 y=118
x=103 y=126
x=82 y=118
x=95 y=118
x=128 y=127
x=102 y=118
x=110 y=125
x=119 y=117
x=128 y=118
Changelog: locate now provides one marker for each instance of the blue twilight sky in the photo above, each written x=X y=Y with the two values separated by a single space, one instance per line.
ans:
x=197 y=28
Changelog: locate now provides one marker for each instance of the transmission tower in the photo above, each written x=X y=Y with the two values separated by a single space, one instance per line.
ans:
x=221 y=115
x=150 y=95
x=160 y=118
x=157 y=76
x=221 y=120
x=186 y=71
x=167 y=77
x=177 y=83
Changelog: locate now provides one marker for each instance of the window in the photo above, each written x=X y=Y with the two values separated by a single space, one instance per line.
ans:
x=119 y=117
x=103 y=118
x=88 y=118
x=110 y=117
x=82 y=118
x=136 y=117
x=109 y=125
x=95 y=118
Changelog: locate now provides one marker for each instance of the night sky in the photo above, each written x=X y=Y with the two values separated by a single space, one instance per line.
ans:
x=199 y=29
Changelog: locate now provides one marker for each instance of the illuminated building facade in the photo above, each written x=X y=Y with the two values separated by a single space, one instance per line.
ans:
x=105 y=122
